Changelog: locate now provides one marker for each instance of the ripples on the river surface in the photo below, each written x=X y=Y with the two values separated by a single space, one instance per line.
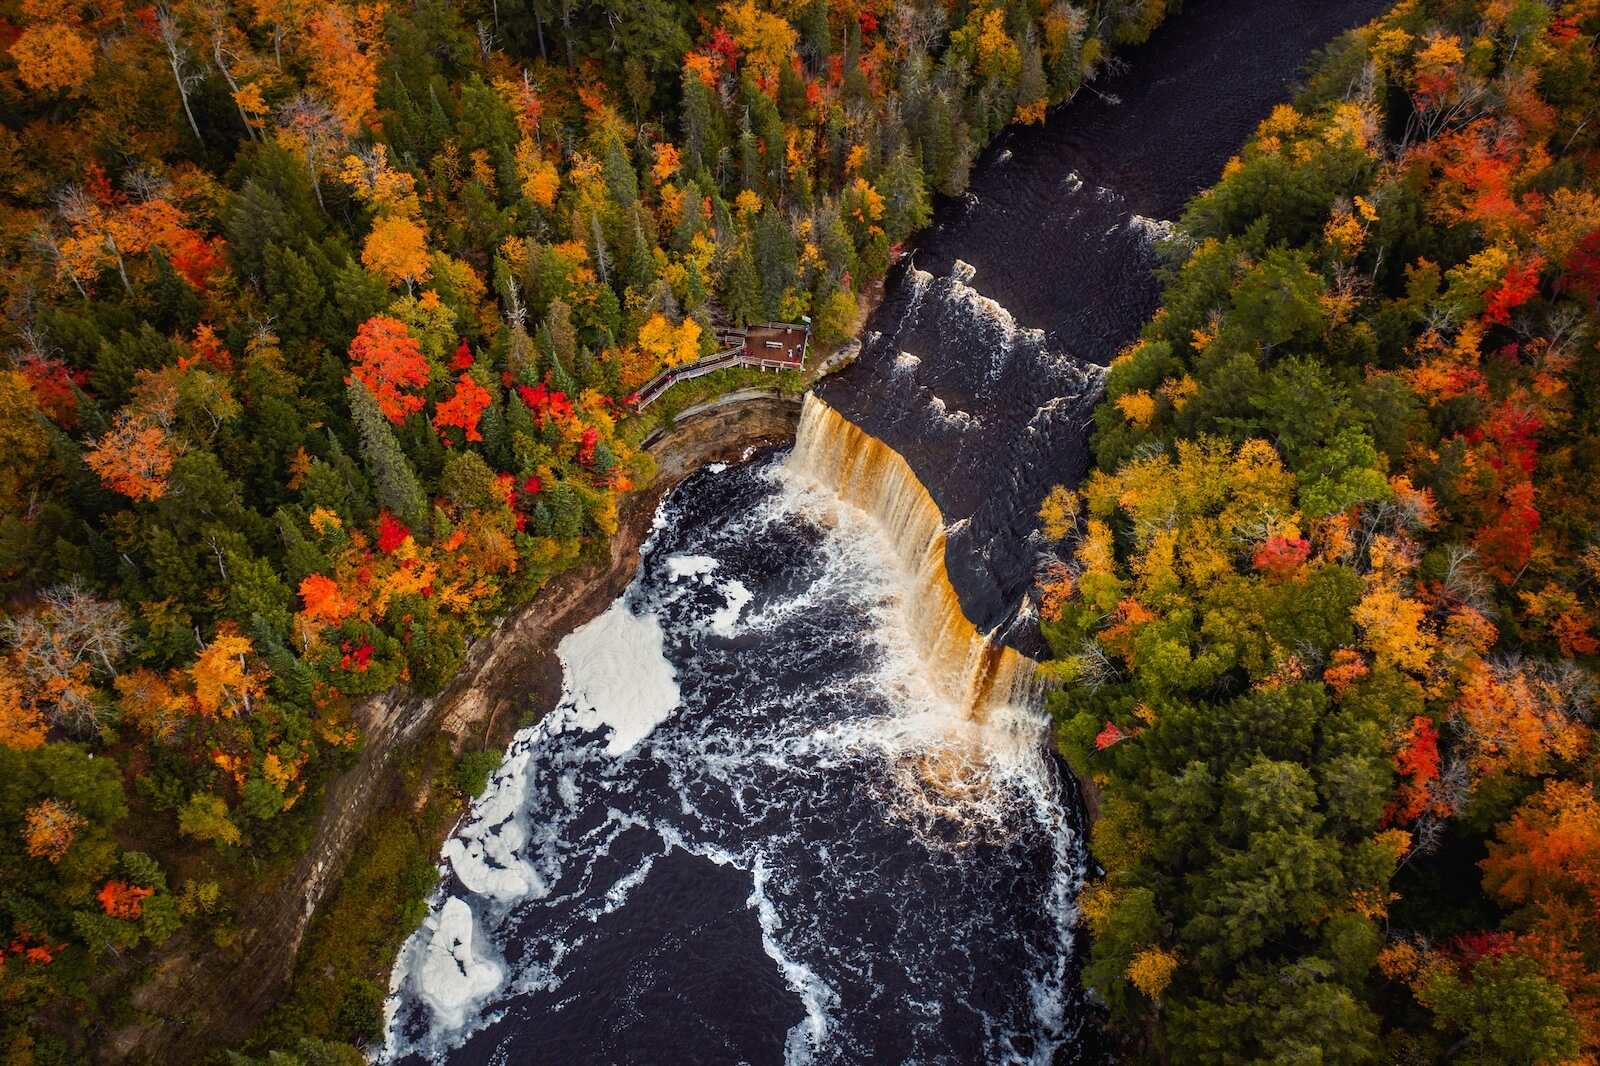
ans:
x=753 y=880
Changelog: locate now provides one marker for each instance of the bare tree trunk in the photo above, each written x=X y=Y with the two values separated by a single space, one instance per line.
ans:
x=122 y=270
x=45 y=241
x=233 y=86
x=316 y=181
x=600 y=257
x=538 y=22
x=183 y=94
x=168 y=25
x=566 y=32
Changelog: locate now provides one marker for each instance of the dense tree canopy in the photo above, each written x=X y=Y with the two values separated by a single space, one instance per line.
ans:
x=1326 y=613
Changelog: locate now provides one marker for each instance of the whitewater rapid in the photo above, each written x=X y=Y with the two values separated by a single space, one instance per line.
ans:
x=758 y=827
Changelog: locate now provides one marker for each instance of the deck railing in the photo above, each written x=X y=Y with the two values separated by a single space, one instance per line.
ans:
x=727 y=357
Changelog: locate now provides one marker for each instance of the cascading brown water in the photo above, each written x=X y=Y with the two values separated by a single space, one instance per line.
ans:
x=975 y=672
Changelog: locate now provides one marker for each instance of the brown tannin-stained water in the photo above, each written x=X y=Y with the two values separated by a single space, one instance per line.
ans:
x=976 y=671
x=796 y=804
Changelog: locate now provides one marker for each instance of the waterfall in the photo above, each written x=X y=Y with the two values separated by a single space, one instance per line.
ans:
x=975 y=672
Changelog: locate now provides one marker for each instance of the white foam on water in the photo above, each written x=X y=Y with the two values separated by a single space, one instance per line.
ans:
x=485 y=851
x=542 y=842
x=805 y=1038
x=489 y=866
x=568 y=789
x=683 y=566
x=809 y=1035
x=1153 y=230
x=616 y=674
x=736 y=597
x=453 y=976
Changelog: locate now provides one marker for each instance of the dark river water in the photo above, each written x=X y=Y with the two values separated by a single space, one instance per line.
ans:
x=720 y=849
x=1059 y=223
x=755 y=830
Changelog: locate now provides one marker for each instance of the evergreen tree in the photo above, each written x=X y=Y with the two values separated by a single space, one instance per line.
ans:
x=776 y=259
x=619 y=174
x=906 y=206
x=742 y=293
x=300 y=556
x=296 y=296
x=559 y=333
x=393 y=480
x=638 y=261
x=694 y=287
x=702 y=113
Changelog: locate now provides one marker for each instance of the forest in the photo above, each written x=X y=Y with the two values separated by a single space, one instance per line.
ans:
x=322 y=323
x=1325 y=615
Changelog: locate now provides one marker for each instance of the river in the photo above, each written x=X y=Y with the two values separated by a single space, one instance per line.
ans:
x=793 y=806
x=1059 y=223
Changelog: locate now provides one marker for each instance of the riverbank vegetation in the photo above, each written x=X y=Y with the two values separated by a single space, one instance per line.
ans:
x=321 y=321
x=1328 y=620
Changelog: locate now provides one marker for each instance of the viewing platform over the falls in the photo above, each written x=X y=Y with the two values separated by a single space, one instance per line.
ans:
x=768 y=346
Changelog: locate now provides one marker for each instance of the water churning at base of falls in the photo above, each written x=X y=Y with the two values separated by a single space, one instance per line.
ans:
x=792 y=808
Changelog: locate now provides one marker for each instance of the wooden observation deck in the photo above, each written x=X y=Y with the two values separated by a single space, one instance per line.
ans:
x=768 y=346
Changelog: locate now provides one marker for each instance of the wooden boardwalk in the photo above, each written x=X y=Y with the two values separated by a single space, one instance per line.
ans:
x=769 y=346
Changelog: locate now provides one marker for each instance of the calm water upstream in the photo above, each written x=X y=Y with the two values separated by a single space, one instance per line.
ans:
x=790 y=808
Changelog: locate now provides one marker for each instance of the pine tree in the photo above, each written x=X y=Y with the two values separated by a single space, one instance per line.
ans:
x=816 y=38
x=838 y=250
x=701 y=128
x=619 y=174
x=300 y=556
x=295 y=295
x=255 y=220
x=256 y=592
x=561 y=335
x=694 y=287
x=750 y=169
x=393 y=480
x=357 y=296
x=906 y=206
x=170 y=302
x=776 y=259
x=742 y=297
x=638 y=264
x=691 y=218
x=357 y=491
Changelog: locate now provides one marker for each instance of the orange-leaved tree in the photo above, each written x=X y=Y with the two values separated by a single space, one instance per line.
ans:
x=388 y=360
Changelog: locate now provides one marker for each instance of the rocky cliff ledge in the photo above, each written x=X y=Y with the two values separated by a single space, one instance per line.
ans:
x=198 y=1000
